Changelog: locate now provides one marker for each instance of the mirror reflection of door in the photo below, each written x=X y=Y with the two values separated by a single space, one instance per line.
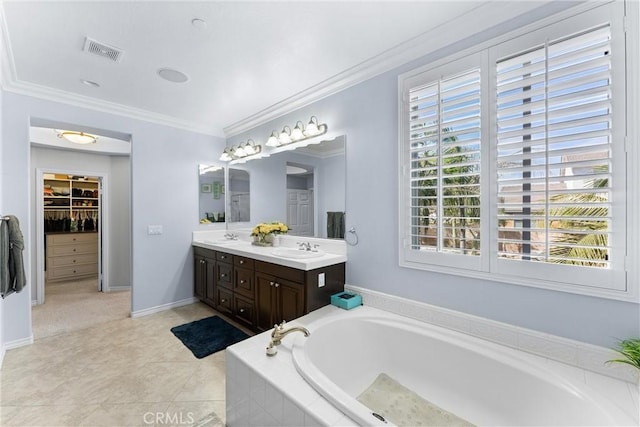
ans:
x=239 y=195
x=300 y=206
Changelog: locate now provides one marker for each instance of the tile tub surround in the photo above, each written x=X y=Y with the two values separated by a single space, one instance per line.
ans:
x=335 y=250
x=268 y=391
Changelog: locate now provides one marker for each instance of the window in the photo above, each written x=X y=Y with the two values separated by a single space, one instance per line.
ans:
x=514 y=162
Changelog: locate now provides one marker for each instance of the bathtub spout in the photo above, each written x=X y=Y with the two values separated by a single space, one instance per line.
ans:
x=280 y=332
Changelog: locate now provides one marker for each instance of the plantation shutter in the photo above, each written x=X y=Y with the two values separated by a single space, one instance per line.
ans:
x=444 y=154
x=554 y=152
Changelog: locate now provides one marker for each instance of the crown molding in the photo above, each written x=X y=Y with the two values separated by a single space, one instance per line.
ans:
x=10 y=83
x=483 y=18
x=51 y=94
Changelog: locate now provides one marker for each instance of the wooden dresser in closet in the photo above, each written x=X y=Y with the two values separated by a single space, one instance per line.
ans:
x=71 y=256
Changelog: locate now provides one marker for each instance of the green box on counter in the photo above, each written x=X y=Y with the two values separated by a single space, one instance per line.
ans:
x=346 y=300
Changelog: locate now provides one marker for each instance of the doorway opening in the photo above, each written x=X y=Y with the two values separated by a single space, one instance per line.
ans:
x=300 y=199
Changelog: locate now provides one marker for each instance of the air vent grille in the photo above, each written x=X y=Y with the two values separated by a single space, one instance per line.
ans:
x=103 y=50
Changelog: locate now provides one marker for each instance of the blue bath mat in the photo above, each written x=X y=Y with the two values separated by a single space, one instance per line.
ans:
x=207 y=336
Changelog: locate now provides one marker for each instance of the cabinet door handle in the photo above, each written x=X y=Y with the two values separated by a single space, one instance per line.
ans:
x=241 y=261
x=271 y=283
x=223 y=275
x=242 y=310
x=222 y=257
x=242 y=281
x=74 y=249
x=74 y=261
x=277 y=284
x=222 y=301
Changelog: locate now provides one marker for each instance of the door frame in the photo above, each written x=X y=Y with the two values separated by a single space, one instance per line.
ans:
x=103 y=229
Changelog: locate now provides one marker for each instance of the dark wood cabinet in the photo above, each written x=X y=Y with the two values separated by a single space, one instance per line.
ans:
x=260 y=294
x=204 y=268
x=277 y=300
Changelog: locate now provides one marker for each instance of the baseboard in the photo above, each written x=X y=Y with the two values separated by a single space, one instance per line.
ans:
x=18 y=343
x=119 y=288
x=583 y=355
x=163 y=307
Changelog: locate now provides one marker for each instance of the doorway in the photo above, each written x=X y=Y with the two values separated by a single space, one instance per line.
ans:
x=300 y=199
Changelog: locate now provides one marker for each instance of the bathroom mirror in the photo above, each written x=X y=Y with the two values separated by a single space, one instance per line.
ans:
x=305 y=187
x=211 y=191
x=239 y=196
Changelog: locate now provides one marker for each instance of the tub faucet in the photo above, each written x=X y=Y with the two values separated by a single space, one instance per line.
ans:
x=280 y=332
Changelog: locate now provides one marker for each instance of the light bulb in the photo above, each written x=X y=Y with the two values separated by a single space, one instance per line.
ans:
x=273 y=140
x=297 y=133
x=312 y=127
x=285 y=136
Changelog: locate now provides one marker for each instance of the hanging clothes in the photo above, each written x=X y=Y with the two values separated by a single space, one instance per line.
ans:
x=12 y=276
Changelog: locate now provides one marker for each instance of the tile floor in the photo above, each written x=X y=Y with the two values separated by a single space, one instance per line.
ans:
x=126 y=372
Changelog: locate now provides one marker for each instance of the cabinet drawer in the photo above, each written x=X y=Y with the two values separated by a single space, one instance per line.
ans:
x=224 y=272
x=72 y=271
x=245 y=310
x=243 y=262
x=63 y=239
x=224 y=301
x=205 y=253
x=72 y=249
x=66 y=261
x=280 y=271
x=224 y=257
x=243 y=282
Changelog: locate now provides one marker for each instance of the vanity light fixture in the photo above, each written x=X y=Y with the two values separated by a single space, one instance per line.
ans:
x=314 y=129
x=285 y=136
x=77 y=137
x=299 y=133
x=242 y=150
x=273 y=140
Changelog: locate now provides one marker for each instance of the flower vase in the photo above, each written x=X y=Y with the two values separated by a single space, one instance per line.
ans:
x=276 y=240
x=263 y=240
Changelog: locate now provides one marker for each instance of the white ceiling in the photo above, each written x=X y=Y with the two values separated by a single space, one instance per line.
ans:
x=250 y=57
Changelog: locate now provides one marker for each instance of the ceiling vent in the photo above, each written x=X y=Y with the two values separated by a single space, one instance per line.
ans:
x=103 y=50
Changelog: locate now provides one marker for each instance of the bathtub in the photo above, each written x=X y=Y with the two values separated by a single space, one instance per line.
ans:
x=481 y=382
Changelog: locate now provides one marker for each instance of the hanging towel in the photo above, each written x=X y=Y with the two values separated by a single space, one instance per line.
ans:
x=335 y=225
x=12 y=277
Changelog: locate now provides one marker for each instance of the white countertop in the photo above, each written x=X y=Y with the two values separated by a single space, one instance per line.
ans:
x=334 y=251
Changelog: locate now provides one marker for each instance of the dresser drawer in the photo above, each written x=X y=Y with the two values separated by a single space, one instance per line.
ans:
x=224 y=301
x=72 y=249
x=224 y=273
x=72 y=271
x=66 y=261
x=64 y=239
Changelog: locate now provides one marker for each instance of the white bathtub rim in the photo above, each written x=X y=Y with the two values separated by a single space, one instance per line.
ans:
x=564 y=350
x=504 y=354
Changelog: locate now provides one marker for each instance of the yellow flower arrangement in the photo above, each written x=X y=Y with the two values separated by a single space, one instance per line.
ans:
x=264 y=228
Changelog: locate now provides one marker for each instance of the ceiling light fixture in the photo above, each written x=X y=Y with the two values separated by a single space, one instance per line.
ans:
x=242 y=150
x=172 y=75
x=77 y=137
x=299 y=133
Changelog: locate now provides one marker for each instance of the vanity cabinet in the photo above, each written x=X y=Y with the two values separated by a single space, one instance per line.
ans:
x=280 y=294
x=204 y=275
x=259 y=294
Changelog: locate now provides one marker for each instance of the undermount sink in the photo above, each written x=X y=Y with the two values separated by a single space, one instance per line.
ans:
x=296 y=253
x=222 y=242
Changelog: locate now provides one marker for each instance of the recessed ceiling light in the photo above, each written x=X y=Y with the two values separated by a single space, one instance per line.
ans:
x=90 y=83
x=198 y=23
x=171 y=75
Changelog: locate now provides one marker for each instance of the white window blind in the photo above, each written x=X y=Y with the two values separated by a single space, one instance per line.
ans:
x=444 y=139
x=554 y=182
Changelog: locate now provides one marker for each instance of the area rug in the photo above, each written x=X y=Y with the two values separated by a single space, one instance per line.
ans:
x=207 y=336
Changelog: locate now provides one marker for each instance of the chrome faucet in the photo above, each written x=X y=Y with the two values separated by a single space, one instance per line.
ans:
x=231 y=236
x=304 y=246
x=280 y=332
